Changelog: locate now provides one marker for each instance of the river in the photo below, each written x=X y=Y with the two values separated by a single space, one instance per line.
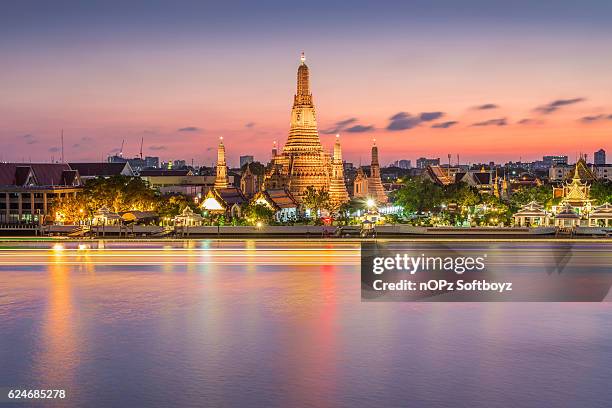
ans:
x=277 y=324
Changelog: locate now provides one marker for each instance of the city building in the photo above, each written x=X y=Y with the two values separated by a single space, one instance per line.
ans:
x=604 y=172
x=599 y=158
x=136 y=163
x=423 y=162
x=564 y=172
x=180 y=181
x=28 y=191
x=554 y=160
x=245 y=160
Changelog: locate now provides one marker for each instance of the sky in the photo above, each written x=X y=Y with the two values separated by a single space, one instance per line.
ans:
x=485 y=80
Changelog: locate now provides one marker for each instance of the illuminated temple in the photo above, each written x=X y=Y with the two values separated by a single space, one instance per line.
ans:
x=303 y=162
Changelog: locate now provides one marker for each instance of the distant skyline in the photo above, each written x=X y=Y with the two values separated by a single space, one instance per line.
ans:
x=483 y=80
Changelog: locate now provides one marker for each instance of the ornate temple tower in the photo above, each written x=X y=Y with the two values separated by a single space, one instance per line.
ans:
x=249 y=183
x=337 y=188
x=303 y=162
x=221 y=181
x=375 y=187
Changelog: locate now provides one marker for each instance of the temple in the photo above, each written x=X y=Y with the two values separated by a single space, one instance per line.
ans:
x=337 y=188
x=575 y=193
x=302 y=162
x=221 y=180
x=371 y=186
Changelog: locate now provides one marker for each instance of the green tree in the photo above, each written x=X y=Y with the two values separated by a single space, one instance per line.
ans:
x=316 y=200
x=69 y=210
x=254 y=213
x=601 y=192
x=543 y=195
x=462 y=194
x=419 y=195
x=172 y=205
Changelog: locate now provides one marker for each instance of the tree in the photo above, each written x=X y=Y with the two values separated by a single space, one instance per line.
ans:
x=120 y=193
x=601 y=192
x=316 y=200
x=170 y=206
x=255 y=213
x=543 y=195
x=462 y=194
x=419 y=195
x=256 y=168
x=69 y=210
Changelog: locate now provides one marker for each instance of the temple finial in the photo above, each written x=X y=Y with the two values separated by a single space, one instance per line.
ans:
x=303 y=58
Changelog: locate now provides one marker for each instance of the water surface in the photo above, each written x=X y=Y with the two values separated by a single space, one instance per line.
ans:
x=206 y=323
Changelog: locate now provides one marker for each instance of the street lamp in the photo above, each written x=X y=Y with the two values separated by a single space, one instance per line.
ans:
x=370 y=202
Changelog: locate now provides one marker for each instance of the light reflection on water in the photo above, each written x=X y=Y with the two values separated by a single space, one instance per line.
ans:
x=227 y=324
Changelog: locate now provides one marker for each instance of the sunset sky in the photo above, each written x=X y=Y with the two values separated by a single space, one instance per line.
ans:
x=487 y=80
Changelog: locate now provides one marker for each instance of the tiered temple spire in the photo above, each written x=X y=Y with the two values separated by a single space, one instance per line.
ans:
x=375 y=187
x=337 y=188
x=221 y=180
x=303 y=162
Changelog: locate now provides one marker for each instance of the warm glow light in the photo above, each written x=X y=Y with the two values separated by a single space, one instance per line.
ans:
x=83 y=247
x=58 y=247
x=259 y=224
x=370 y=202
x=211 y=204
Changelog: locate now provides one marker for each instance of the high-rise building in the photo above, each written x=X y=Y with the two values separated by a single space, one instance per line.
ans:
x=245 y=160
x=555 y=160
x=302 y=162
x=599 y=157
x=152 y=161
x=221 y=180
x=404 y=164
x=423 y=162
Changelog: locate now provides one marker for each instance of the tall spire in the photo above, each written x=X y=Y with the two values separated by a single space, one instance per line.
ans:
x=303 y=134
x=337 y=189
x=303 y=95
x=221 y=181
x=375 y=187
x=337 y=150
x=375 y=155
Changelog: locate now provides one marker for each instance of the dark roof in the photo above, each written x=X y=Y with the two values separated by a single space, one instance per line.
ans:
x=281 y=198
x=70 y=177
x=231 y=195
x=161 y=172
x=102 y=169
x=45 y=174
x=459 y=176
x=22 y=174
x=482 y=178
